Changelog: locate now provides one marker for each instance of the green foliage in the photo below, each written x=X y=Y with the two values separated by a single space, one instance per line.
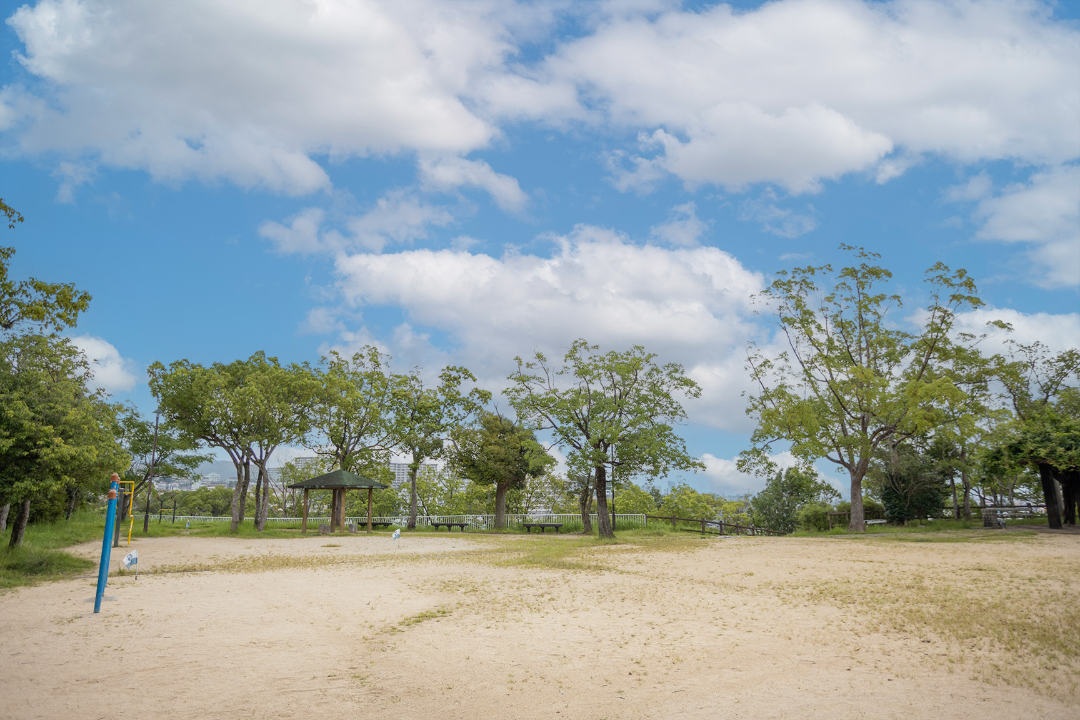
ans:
x=500 y=453
x=50 y=306
x=851 y=382
x=352 y=411
x=813 y=517
x=56 y=435
x=629 y=498
x=424 y=416
x=777 y=505
x=685 y=502
x=615 y=410
x=908 y=494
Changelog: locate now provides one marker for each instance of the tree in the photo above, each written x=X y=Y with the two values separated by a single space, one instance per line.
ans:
x=277 y=401
x=205 y=404
x=501 y=453
x=1047 y=427
x=616 y=410
x=352 y=411
x=425 y=416
x=51 y=306
x=849 y=383
x=55 y=433
x=777 y=505
x=173 y=456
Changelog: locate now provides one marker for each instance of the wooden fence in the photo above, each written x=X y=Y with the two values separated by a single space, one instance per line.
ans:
x=720 y=524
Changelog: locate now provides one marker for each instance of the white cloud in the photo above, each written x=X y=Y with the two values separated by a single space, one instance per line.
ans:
x=450 y=173
x=797 y=91
x=596 y=285
x=1057 y=331
x=71 y=176
x=300 y=236
x=724 y=477
x=683 y=228
x=777 y=220
x=1044 y=211
x=793 y=92
x=249 y=92
x=399 y=216
x=111 y=371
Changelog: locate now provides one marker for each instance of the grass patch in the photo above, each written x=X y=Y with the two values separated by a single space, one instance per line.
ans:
x=40 y=557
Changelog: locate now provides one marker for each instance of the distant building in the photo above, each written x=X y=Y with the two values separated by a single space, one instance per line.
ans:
x=401 y=472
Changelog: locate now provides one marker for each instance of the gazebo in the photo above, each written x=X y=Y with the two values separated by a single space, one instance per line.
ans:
x=339 y=481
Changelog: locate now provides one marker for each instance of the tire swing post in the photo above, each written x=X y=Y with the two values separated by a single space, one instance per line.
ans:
x=106 y=544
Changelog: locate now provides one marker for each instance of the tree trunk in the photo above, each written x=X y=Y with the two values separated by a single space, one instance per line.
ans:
x=1050 y=495
x=3 y=516
x=146 y=514
x=19 y=528
x=500 y=505
x=955 y=499
x=238 y=489
x=858 y=515
x=967 y=494
x=73 y=496
x=414 y=468
x=604 y=520
x=258 y=496
x=1068 y=495
x=262 y=501
x=244 y=492
x=585 y=505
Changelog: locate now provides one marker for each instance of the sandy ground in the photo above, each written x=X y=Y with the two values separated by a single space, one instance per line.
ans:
x=444 y=626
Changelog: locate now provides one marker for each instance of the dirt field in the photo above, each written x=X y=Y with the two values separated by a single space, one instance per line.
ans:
x=543 y=627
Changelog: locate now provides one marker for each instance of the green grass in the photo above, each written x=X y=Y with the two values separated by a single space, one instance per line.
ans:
x=40 y=557
x=925 y=526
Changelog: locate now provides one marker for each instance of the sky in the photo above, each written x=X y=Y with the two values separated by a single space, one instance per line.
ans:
x=468 y=182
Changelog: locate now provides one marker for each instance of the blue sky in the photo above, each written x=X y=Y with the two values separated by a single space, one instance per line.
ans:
x=466 y=182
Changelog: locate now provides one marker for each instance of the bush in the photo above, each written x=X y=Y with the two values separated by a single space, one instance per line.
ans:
x=908 y=495
x=814 y=517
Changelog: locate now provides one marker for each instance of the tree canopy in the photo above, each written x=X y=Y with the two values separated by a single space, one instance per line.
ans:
x=616 y=409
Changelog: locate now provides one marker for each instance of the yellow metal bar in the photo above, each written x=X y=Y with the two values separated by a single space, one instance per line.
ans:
x=131 y=506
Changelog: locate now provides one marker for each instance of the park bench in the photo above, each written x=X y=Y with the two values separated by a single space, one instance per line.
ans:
x=543 y=526
x=449 y=525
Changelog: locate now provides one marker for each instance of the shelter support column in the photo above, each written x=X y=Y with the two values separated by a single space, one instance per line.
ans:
x=369 y=509
x=303 y=523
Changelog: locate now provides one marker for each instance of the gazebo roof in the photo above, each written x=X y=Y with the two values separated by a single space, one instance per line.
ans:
x=337 y=480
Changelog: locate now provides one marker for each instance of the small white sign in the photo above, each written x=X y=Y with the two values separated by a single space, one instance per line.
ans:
x=130 y=559
x=397 y=534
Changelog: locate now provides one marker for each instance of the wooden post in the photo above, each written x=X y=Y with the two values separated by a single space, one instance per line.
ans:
x=703 y=526
x=341 y=510
x=369 y=509
x=303 y=523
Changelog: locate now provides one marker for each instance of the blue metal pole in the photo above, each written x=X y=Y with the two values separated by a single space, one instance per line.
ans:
x=106 y=544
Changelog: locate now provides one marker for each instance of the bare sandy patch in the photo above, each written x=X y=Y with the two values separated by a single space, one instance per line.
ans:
x=488 y=626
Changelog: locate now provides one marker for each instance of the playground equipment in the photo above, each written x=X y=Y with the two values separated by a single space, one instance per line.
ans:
x=130 y=504
x=106 y=544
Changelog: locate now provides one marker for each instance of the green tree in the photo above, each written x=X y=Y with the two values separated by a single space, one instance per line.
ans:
x=424 y=417
x=205 y=404
x=55 y=433
x=1040 y=387
x=632 y=499
x=777 y=505
x=353 y=411
x=171 y=454
x=50 y=306
x=850 y=382
x=607 y=410
x=501 y=453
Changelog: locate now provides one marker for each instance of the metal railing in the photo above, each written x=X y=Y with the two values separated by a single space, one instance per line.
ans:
x=570 y=521
x=722 y=526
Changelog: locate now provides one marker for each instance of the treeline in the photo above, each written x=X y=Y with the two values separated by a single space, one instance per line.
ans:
x=911 y=408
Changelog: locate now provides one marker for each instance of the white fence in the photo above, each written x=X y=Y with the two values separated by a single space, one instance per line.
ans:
x=569 y=521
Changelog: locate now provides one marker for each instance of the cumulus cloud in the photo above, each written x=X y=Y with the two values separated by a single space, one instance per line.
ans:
x=797 y=91
x=300 y=236
x=248 y=93
x=724 y=477
x=793 y=92
x=1044 y=211
x=451 y=173
x=683 y=228
x=399 y=216
x=111 y=372
x=774 y=219
x=1057 y=331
